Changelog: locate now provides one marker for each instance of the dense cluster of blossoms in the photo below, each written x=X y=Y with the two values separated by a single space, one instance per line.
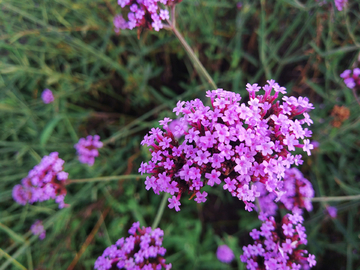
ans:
x=231 y=143
x=141 y=250
x=278 y=245
x=87 y=149
x=224 y=254
x=351 y=78
x=38 y=229
x=47 y=96
x=143 y=13
x=44 y=182
x=298 y=193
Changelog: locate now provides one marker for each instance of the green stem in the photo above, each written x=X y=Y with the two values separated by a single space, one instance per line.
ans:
x=160 y=211
x=334 y=199
x=104 y=178
x=194 y=59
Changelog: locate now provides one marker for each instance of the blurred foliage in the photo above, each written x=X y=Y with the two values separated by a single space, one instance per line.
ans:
x=118 y=86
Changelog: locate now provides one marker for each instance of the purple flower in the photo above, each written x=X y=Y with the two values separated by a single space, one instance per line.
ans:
x=224 y=254
x=47 y=96
x=230 y=143
x=332 y=211
x=351 y=77
x=144 y=14
x=87 y=149
x=141 y=250
x=340 y=4
x=277 y=245
x=44 y=182
x=38 y=229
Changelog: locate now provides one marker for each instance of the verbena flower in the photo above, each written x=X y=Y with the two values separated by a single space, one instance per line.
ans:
x=233 y=143
x=340 y=4
x=144 y=14
x=351 y=78
x=44 y=182
x=331 y=211
x=297 y=193
x=141 y=250
x=224 y=254
x=47 y=96
x=87 y=149
x=38 y=229
x=278 y=245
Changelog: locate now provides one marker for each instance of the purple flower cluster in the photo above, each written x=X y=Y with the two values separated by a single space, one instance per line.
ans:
x=143 y=13
x=351 y=78
x=224 y=254
x=47 y=96
x=38 y=229
x=277 y=245
x=230 y=142
x=340 y=4
x=87 y=149
x=141 y=250
x=44 y=182
x=297 y=190
x=331 y=211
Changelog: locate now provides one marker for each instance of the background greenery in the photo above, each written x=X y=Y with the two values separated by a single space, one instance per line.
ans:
x=118 y=86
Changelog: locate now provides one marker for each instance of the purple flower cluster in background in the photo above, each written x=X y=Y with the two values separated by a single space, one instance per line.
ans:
x=224 y=254
x=331 y=211
x=87 y=149
x=340 y=4
x=44 y=182
x=233 y=143
x=298 y=193
x=141 y=250
x=351 y=78
x=277 y=245
x=38 y=229
x=143 y=13
x=47 y=96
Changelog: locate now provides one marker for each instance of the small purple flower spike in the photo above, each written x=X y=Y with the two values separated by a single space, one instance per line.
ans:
x=47 y=96
x=331 y=211
x=44 y=182
x=141 y=250
x=87 y=149
x=224 y=254
x=38 y=229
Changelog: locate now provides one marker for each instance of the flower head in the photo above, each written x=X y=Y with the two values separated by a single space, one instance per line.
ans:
x=331 y=211
x=38 y=229
x=47 y=96
x=144 y=14
x=340 y=4
x=44 y=182
x=224 y=254
x=87 y=149
x=351 y=77
x=230 y=142
x=141 y=250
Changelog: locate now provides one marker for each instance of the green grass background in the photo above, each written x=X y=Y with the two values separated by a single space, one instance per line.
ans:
x=119 y=86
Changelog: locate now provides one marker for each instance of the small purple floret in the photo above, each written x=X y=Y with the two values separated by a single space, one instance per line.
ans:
x=87 y=149
x=38 y=229
x=47 y=96
x=224 y=254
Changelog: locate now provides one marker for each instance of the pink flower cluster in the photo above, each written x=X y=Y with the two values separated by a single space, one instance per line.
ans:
x=87 y=149
x=233 y=143
x=277 y=245
x=340 y=4
x=141 y=250
x=38 y=229
x=44 y=182
x=351 y=78
x=47 y=96
x=144 y=14
x=224 y=254
x=298 y=192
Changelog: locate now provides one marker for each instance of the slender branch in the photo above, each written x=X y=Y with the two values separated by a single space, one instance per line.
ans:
x=104 y=178
x=334 y=199
x=160 y=211
x=194 y=59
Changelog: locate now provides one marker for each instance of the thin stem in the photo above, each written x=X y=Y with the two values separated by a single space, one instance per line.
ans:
x=160 y=211
x=334 y=199
x=194 y=59
x=104 y=178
